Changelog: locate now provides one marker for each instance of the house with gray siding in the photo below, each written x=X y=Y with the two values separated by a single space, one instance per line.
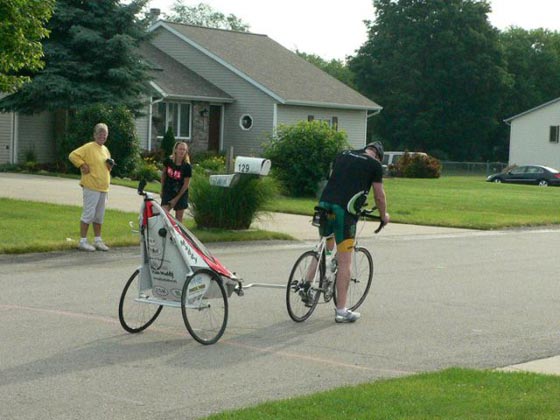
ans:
x=535 y=136
x=218 y=90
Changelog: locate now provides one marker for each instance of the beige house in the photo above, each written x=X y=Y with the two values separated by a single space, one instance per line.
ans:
x=218 y=90
x=535 y=135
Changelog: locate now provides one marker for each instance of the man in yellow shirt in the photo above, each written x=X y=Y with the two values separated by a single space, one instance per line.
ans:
x=95 y=163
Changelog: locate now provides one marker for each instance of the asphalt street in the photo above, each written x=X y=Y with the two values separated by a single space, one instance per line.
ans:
x=462 y=298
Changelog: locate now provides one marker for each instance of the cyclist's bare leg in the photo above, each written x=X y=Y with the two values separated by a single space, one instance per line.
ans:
x=330 y=243
x=343 y=277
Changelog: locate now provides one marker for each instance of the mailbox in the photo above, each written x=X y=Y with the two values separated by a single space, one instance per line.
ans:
x=224 y=181
x=252 y=165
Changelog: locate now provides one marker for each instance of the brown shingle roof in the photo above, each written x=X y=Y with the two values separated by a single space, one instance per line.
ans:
x=176 y=81
x=271 y=67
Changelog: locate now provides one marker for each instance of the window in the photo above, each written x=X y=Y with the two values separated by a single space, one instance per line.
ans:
x=554 y=133
x=246 y=122
x=174 y=115
x=332 y=122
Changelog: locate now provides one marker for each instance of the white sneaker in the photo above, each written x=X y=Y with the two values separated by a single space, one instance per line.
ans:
x=348 y=316
x=100 y=246
x=84 y=246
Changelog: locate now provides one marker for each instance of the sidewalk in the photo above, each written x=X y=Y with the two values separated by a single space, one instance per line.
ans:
x=68 y=191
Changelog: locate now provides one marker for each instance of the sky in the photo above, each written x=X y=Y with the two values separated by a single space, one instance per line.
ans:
x=334 y=29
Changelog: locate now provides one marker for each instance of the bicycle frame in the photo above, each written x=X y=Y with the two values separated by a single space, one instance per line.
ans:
x=311 y=276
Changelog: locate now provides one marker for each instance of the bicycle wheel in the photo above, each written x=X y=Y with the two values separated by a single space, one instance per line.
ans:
x=204 y=306
x=136 y=316
x=361 y=275
x=302 y=296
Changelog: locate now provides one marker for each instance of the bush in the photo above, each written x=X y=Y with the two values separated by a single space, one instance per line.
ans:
x=122 y=142
x=211 y=162
x=301 y=155
x=229 y=208
x=147 y=169
x=416 y=166
x=168 y=142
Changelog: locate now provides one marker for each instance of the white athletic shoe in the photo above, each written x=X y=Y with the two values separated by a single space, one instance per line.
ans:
x=348 y=316
x=100 y=246
x=84 y=246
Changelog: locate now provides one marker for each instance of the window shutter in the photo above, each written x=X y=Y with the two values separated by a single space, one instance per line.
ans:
x=554 y=133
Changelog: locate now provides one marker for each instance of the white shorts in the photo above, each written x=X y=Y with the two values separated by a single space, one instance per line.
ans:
x=94 y=206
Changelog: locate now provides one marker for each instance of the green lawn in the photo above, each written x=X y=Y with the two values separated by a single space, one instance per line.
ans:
x=455 y=201
x=467 y=202
x=449 y=394
x=38 y=227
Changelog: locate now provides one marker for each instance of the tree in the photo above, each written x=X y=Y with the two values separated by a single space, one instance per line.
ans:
x=336 y=68
x=91 y=57
x=437 y=69
x=533 y=65
x=204 y=15
x=21 y=29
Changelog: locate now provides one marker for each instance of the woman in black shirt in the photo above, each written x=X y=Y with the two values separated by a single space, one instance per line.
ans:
x=175 y=179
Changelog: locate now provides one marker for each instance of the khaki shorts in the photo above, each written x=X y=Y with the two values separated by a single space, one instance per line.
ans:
x=94 y=206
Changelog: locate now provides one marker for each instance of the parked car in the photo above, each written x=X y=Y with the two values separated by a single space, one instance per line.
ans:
x=528 y=174
x=391 y=158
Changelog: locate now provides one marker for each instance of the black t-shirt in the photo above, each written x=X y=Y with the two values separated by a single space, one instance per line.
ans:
x=353 y=171
x=175 y=175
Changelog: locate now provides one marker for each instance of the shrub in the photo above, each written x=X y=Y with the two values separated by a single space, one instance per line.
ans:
x=122 y=142
x=416 y=166
x=147 y=169
x=229 y=208
x=30 y=164
x=212 y=163
x=301 y=155
x=168 y=142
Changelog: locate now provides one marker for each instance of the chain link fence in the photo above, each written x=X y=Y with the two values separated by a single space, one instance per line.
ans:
x=471 y=168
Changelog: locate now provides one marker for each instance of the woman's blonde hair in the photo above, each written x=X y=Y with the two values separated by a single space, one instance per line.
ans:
x=187 y=158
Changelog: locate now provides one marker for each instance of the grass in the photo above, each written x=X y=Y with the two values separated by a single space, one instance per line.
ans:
x=454 y=201
x=40 y=227
x=457 y=201
x=448 y=394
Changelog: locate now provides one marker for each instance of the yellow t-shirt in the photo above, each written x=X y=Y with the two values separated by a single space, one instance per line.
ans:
x=94 y=155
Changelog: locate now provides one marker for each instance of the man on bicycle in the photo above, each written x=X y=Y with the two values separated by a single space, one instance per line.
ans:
x=354 y=172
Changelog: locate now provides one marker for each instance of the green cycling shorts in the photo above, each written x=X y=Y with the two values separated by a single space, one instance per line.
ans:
x=340 y=223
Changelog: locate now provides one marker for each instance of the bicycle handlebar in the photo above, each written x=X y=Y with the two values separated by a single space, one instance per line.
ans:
x=367 y=214
x=141 y=187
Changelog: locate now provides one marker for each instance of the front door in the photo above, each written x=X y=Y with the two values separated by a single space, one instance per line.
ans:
x=214 y=125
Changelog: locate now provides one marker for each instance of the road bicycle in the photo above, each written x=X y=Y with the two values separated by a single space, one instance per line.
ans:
x=176 y=270
x=314 y=273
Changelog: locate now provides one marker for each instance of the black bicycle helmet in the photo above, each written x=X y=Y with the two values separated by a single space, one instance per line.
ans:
x=378 y=146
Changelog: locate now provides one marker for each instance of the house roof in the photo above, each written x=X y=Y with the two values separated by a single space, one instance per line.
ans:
x=270 y=67
x=172 y=80
x=507 y=120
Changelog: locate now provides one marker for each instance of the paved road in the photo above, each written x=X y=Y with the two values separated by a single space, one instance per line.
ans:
x=469 y=299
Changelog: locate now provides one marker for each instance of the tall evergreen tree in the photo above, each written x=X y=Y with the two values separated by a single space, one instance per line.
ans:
x=91 y=57
x=437 y=69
